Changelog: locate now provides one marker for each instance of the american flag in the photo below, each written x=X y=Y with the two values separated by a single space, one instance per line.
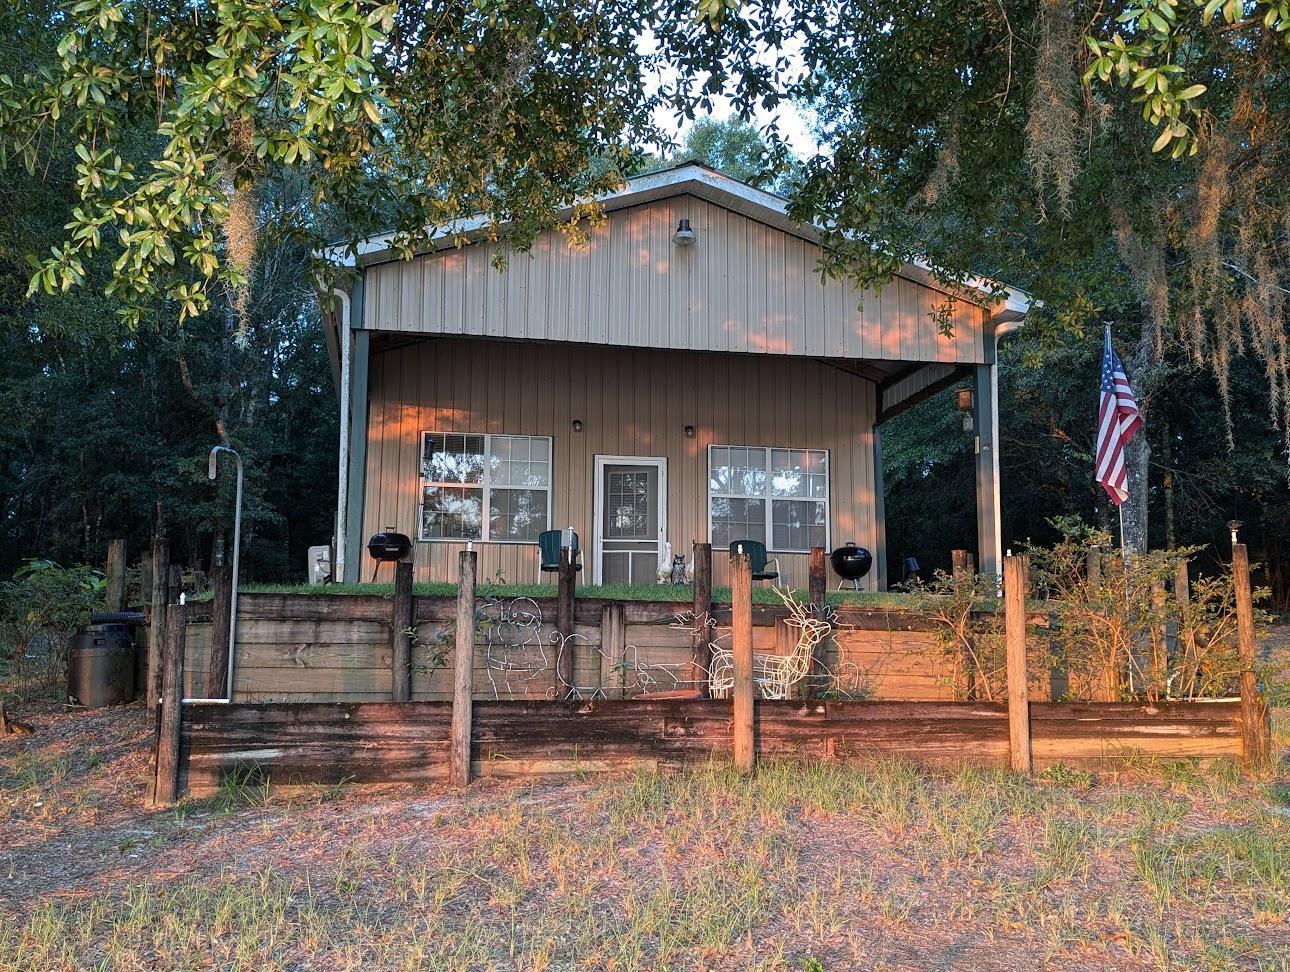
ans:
x=1118 y=419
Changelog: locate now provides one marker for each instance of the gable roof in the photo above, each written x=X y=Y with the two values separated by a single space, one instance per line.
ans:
x=703 y=182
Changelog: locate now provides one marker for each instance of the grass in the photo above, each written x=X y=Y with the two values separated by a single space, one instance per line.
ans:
x=680 y=594
x=817 y=865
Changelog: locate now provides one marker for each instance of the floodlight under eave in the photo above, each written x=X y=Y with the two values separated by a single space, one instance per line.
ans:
x=683 y=236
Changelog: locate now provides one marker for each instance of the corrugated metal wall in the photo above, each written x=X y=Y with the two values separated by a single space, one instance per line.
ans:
x=742 y=286
x=631 y=402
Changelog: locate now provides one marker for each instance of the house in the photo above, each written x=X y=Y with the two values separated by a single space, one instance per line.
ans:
x=650 y=386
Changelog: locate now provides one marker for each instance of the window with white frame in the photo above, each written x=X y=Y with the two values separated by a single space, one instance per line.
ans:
x=779 y=497
x=485 y=487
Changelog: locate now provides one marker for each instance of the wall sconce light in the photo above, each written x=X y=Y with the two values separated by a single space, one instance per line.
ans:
x=577 y=425
x=965 y=399
x=683 y=236
x=689 y=431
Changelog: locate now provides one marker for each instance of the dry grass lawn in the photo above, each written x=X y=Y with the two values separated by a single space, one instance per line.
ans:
x=885 y=866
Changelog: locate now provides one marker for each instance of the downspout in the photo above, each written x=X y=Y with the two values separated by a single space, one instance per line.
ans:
x=1001 y=330
x=344 y=338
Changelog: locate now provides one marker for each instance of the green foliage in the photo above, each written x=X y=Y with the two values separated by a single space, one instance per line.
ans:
x=41 y=606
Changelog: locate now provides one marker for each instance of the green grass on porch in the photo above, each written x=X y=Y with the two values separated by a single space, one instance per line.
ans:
x=681 y=594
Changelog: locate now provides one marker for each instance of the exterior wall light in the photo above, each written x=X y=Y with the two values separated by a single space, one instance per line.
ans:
x=689 y=431
x=966 y=400
x=683 y=236
x=577 y=425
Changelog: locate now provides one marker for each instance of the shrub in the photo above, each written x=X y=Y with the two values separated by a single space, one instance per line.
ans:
x=40 y=608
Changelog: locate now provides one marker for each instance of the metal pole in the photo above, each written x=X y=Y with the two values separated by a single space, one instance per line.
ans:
x=342 y=485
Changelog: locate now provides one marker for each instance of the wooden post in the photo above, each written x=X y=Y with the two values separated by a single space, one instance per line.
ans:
x=702 y=612
x=172 y=691
x=1256 y=732
x=1093 y=567
x=959 y=568
x=1186 y=635
x=817 y=588
x=157 y=622
x=463 y=678
x=613 y=649
x=568 y=580
x=742 y=647
x=114 y=575
x=221 y=625
x=1016 y=582
x=401 y=633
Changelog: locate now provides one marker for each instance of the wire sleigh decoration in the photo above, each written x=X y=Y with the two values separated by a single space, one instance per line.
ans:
x=522 y=657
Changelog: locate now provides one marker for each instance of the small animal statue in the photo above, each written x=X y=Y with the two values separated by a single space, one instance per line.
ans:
x=664 y=572
x=681 y=573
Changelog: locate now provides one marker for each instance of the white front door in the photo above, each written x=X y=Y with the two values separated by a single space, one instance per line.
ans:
x=631 y=518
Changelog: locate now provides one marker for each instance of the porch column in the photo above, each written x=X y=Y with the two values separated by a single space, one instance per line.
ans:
x=360 y=357
x=989 y=529
x=879 y=514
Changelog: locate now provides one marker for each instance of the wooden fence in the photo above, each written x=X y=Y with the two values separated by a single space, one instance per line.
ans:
x=373 y=742
x=200 y=743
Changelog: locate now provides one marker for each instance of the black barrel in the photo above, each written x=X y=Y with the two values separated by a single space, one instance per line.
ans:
x=100 y=666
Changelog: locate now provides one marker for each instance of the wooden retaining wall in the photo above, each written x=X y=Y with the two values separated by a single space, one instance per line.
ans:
x=320 y=648
x=408 y=742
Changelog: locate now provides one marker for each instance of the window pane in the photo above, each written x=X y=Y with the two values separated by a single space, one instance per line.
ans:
x=737 y=519
x=797 y=524
x=516 y=514
x=453 y=458
x=799 y=472
x=738 y=471
x=452 y=512
x=518 y=460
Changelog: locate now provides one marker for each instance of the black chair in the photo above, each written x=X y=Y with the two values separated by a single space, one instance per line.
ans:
x=549 y=544
x=756 y=551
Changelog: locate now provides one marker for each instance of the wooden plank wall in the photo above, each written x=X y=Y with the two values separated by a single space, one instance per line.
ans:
x=407 y=742
x=631 y=403
x=743 y=287
x=307 y=648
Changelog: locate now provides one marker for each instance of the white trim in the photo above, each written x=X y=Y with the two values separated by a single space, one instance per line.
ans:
x=769 y=499
x=485 y=486
x=599 y=462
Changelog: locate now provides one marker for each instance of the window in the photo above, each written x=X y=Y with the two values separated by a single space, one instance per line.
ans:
x=779 y=497
x=463 y=475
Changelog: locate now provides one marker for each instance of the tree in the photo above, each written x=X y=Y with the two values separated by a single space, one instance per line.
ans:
x=961 y=134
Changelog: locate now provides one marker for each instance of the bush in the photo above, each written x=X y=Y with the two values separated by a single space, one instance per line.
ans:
x=40 y=609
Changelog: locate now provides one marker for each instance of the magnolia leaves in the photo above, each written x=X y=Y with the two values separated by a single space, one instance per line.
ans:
x=1153 y=59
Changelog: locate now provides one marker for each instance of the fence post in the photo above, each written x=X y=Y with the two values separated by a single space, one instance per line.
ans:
x=166 y=788
x=221 y=624
x=463 y=677
x=742 y=649
x=613 y=648
x=961 y=571
x=157 y=620
x=1256 y=733
x=817 y=590
x=1186 y=636
x=1016 y=582
x=702 y=614
x=401 y=622
x=114 y=575
x=564 y=661
x=1093 y=567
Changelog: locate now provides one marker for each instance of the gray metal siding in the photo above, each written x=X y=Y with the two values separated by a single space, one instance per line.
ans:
x=742 y=286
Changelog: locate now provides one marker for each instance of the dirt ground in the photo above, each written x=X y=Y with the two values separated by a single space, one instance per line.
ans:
x=810 y=868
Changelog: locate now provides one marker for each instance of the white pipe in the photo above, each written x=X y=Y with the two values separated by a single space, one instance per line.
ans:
x=342 y=490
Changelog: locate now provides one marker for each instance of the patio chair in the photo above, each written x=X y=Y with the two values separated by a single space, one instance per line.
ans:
x=756 y=551
x=549 y=543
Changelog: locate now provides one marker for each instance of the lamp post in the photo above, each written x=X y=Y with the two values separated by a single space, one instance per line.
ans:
x=212 y=469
